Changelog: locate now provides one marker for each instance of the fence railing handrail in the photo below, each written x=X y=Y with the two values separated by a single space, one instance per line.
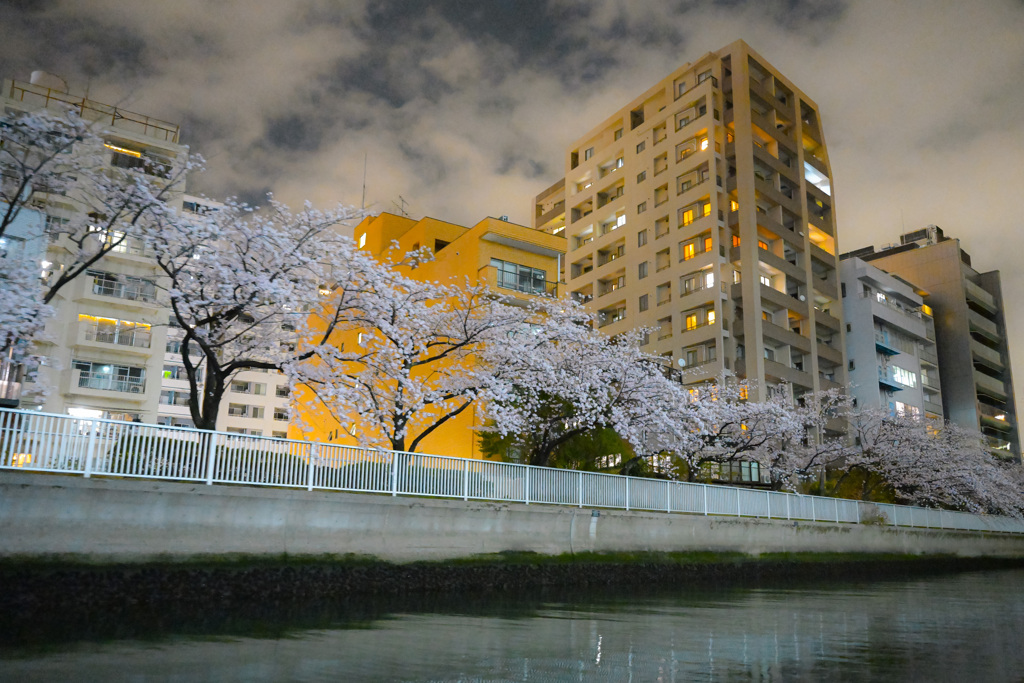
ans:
x=48 y=442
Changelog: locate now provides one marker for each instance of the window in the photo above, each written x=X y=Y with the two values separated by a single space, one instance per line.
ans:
x=588 y=154
x=362 y=240
x=691 y=321
x=642 y=270
x=282 y=391
x=707 y=244
x=735 y=240
x=691 y=356
x=686 y=217
x=643 y=303
x=734 y=205
x=761 y=244
x=711 y=317
x=706 y=209
x=703 y=143
x=842 y=288
x=641 y=146
x=905 y=377
x=765 y=280
x=279 y=435
x=109 y=377
x=689 y=251
x=281 y=414
x=174 y=398
x=174 y=372
x=641 y=238
x=618 y=133
x=519 y=278
x=641 y=176
x=641 y=207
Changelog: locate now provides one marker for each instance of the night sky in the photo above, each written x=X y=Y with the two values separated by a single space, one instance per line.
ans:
x=465 y=107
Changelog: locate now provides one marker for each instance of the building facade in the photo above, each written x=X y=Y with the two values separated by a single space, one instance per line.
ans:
x=970 y=332
x=890 y=342
x=703 y=209
x=514 y=261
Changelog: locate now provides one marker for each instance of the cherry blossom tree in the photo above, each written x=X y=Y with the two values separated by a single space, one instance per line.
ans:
x=560 y=378
x=404 y=359
x=240 y=283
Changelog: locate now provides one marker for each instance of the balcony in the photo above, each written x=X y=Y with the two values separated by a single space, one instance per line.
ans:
x=983 y=355
x=131 y=387
x=932 y=407
x=886 y=380
x=980 y=297
x=989 y=386
x=996 y=418
x=928 y=357
x=883 y=345
x=137 y=337
x=983 y=326
x=1002 y=447
x=507 y=282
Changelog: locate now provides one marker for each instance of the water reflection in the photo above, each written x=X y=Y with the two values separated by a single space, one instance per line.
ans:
x=961 y=627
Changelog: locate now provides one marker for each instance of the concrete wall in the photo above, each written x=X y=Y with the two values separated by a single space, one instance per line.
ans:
x=134 y=520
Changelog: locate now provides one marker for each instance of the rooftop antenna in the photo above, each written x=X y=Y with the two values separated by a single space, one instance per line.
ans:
x=362 y=206
x=402 y=207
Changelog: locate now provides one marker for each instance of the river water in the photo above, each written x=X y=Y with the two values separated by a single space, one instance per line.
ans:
x=961 y=627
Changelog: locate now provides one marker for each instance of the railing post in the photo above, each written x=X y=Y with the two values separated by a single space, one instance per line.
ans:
x=314 y=454
x=579 y=488
x=627 y=494
x=211 y=456
x=90 y=450
x=789 y=512
x=739 y=503
x=705 y=487
x=668 y=496
x=814 y=513
x=836 y=501
x=858 y=512
x=394 y=473
x=768 y=504
x=527 y=485
x=465 y=481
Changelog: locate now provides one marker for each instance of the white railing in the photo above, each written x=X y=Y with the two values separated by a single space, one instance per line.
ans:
x=41 y=442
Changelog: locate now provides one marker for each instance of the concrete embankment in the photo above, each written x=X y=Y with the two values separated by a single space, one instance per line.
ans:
x=72 y=519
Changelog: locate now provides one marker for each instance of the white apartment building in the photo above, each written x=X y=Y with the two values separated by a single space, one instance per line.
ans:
x=890 y=342
x=109 y=350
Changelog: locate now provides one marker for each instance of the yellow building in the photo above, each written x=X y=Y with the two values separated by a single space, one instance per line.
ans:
x=511 y=259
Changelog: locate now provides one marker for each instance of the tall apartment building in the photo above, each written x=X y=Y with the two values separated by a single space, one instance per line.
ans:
x=703 y=208
x=970 y=332
x=109 y=349
x=104 y=346
x=890 y=342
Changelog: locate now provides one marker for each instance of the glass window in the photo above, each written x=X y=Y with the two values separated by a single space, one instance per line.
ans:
x=519 y=278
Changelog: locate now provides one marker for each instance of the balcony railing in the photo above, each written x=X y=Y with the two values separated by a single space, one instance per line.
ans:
x=105 y=381
x=129 y=291
x=140 y=338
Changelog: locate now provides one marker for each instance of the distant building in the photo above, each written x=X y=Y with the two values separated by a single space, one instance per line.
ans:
x=890 y=342
x=512 y=260
x=703 y=209
x=970 y=332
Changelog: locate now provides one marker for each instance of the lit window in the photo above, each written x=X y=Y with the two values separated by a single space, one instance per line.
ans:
x=703 y=144
x=709 y=280
x=734 y=205
x=762 y=245
x=620 y=221
x=711 y=317
x=362 y=240
x=691 y=321
x=735 y=240
x=706 y=209
x=707 y=244
x=766 y=281
x=689 y=251
x=687 y=217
